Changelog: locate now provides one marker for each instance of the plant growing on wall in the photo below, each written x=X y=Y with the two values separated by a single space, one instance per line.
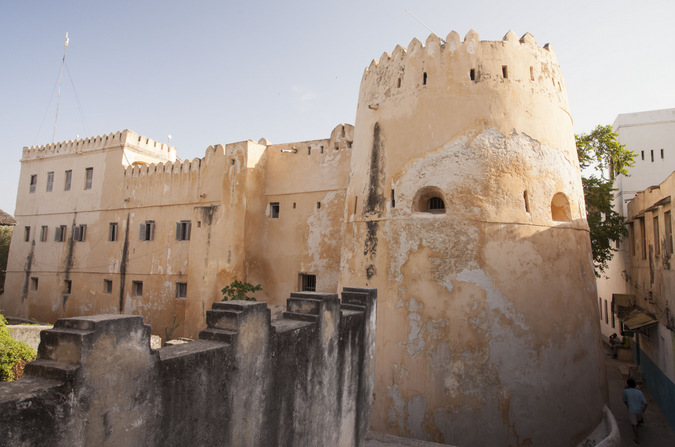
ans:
x=13 y=354
x=601 y=158
x=238 y=290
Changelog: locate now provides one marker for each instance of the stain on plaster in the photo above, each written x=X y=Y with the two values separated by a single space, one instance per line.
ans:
x=123 y=264
x=28 y=267
x=375 y=198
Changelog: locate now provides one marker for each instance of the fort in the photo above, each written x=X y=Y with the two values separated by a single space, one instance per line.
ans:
x=456 y=194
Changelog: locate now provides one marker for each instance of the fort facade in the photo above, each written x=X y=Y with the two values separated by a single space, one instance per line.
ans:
x=457 y=194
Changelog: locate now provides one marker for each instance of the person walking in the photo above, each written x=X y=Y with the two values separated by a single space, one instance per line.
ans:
x=637 y=405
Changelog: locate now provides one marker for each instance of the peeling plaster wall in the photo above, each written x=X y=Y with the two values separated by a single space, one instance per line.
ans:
x=490 y=305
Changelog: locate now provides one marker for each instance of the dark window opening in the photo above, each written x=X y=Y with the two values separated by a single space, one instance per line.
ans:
x=322 y=149
x=69 y=177
x=79 y=233
x=26 y=234
x=274 y=210
x=652 y=152
x=393 y=200
x=669 y=232
x=112 y=232
x=662 y=154
x=435 y=204
x=505 y=72
x=349 y=144
x=43 y=233
x=183 y=230
x=527 y=201
x=318 y=205
x=631 y=238
x=60 y=233
x=107 y=286
x=424 y=78
x=181 y=290
x=642 y=154
x=472 y=74
x=398 y=83
x=307 y=282
x=531 y=73
x=137 y=288
x=34 y=283
x=147 y=232
x=309 y=150
x=67 y=287
x=643 y=238
x=232 y=161
x=657 y=239
x=50 y=181
x=293 y=205
x=33 y=182
x=89 y=177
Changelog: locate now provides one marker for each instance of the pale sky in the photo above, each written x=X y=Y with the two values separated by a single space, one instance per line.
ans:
x=225 y=71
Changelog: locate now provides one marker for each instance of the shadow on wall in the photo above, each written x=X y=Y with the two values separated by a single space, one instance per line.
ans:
x=305 y=379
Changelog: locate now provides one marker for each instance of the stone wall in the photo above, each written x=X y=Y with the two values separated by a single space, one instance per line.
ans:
x=304 y=379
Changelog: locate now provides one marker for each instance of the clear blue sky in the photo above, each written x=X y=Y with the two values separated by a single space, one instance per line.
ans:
x=225 y=71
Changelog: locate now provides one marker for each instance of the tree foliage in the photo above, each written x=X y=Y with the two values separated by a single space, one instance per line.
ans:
x=238 y=290
x=602 y=157
x=13 y=354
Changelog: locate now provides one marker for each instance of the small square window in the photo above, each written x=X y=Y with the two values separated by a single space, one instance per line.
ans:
x=67 y=287
x=137 y=288
x=89 y=177
x=50 y=181
x=43 y=233
x=274 y=210
x=26 y=234
x=69 y=177
x=33 y=182
x=183 y=230
x=107 y=286
x=307 y=282
x=112 y=232
x=181 y=290
x=34 y=283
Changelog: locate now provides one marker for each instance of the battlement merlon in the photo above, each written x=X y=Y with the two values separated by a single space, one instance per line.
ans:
x=136 y=148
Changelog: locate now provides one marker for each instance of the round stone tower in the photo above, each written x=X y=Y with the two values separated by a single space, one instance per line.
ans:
x=465 y=210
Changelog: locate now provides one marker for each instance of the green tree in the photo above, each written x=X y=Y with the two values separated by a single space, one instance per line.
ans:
x=602 y=157
x=5 y=238
x=13 y=354
x=238 y=290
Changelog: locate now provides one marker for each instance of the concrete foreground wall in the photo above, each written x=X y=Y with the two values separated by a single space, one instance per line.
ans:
x=305 y=379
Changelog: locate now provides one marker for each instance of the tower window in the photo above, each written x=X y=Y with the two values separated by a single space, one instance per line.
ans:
x=50 y=181
x=652 y=152
x=181 y=290
x=33 y=283
x=527 y=201
x=393 y=200
x=60 y=233
x=505 y=71
x=531 y=73
x=89 y=177
x=137 y=288
x=398 y=83
x=661 y=154
x=43 y=233
x=69 y=177
x=107 y=286
x=472 y=74
x=67 y=287
x=435 y=204
x=424 y=78
x=147 y=231
x=642 y=154
x=33 y=183
x=429 y=200
x=112 y=232
x=26 y=234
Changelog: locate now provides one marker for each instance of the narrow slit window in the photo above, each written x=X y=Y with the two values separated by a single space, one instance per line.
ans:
x=398 y=83
x=34 y=283
x=356 y=203
x=531 y=73
x=661 y=154
x=43 y=233
x=642 y=154
x=89 y=178
x=69 y=178
x=527 y=201
x=472 y=74
x=33 y=183
x=107 y=286
x=318 y=205
x=424 y=78
x=137 y=288
x=294 y=205
x=50 y=181
x=26 y=234
x=309 y=150
x=657 y=239
x=112 y=232
x=505 y=71
x=321 y=149
x=652 y=152
x=393 y=200
x=67 y=287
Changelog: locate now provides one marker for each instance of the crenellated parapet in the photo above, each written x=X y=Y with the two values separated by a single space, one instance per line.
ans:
x=468 y=65
x=126 y=139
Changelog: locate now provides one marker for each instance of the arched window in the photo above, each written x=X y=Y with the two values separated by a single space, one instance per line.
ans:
x=429 y=200
x=560 y=208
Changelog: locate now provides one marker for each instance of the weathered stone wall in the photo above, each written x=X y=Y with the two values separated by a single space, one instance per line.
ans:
x=303 y=380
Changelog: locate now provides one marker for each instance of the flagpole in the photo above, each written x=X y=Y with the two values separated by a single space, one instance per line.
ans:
x=58 y=96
